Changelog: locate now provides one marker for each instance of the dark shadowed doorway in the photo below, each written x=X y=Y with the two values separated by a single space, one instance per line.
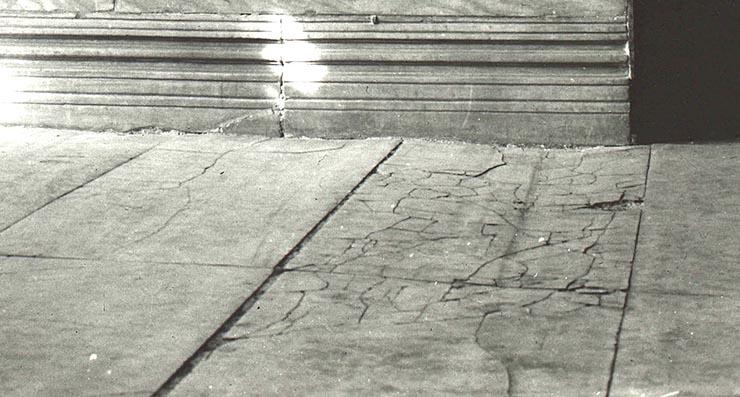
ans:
x=686 y=82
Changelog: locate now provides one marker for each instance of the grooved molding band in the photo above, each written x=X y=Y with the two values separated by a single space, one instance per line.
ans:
x=551 y=80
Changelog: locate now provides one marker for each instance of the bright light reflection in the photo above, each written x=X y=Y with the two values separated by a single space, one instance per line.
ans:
x=296 y=56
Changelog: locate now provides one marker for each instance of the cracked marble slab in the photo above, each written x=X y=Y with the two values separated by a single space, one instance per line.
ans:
x=564 y=219
x=455 y=269
x=321 y=333
x=325 y=334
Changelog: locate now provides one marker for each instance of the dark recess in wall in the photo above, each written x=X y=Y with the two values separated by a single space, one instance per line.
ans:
x=686 y=82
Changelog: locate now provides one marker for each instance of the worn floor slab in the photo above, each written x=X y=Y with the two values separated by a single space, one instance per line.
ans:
x=109 y=286
x=37 y=166
x=212 y=200
x=454 y=269
x=92 y=328
x=679 y=343
x=680 y=329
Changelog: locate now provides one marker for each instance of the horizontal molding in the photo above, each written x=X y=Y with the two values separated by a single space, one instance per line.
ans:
x=126 y=118
x=393 y=7
x=204 y=16
x=176 y=70
x=456 y=92
x=488 y=30
x=151 y=100
x=104 y=48
x=527 y=128
x=131 y=87
x=470 y=74
x=462 y=53
x=502 y=106
x=556 y=75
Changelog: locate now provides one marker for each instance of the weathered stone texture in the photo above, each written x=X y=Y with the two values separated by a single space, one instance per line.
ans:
x=487 y=79
x=92 y=328
x=131 y=250
x=145 y=210
x=455 y=268
x=39 y=166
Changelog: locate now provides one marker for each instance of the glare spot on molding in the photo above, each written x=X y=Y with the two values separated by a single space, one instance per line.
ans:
x=295 y=56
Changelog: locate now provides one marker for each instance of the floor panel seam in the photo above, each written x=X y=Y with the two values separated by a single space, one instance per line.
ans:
x=217 y=338
x=76 y=188
x=617 y=338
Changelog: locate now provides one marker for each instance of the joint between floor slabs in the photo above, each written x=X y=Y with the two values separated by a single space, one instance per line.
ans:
x=78 y=187
x=217 y=338
x=613 y=364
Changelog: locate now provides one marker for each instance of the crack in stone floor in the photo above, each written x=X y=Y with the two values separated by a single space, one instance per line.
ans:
x=447 y=269
x=439 y=257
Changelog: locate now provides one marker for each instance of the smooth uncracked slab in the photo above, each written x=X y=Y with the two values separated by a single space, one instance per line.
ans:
x=680 y=328
x=679 y=343
x=410 y=359
x=213 y=200
x=90 y=328
x=41 y=165
x=688 y=239
x=710 y=170
x=688 y=254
